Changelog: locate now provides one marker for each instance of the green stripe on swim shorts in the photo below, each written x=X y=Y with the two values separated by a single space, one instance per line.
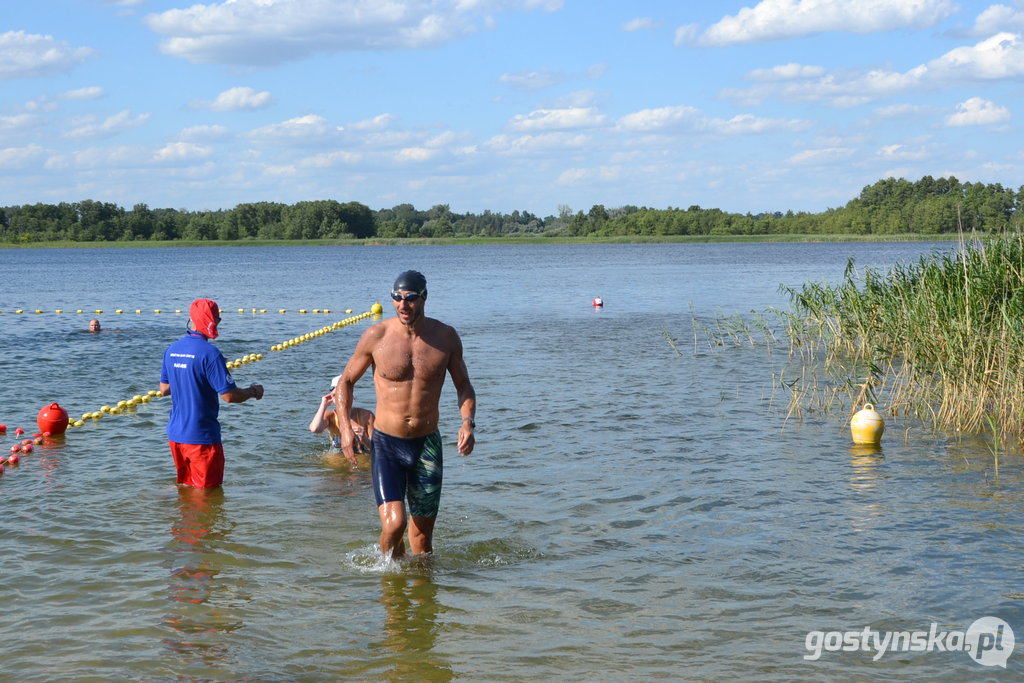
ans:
x=424 y=492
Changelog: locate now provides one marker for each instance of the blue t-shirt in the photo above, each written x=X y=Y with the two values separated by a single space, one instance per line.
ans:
x=198 y=375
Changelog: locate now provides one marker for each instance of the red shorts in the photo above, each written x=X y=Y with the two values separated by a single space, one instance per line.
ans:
x=199 y=465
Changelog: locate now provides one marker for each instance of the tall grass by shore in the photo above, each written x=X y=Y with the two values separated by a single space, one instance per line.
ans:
x=941 y=338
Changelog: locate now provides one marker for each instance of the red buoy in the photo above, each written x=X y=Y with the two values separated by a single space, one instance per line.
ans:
x=53 y=419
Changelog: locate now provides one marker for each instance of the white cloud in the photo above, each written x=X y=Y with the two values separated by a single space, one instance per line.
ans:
x=532 y=80
x=978 y=112
x=998 y=57
x=311 y=129
x=579 y=176
x=16 y=157
x=204 y=133
x=686 y=34
x=182 y=151
x=332 y=159
x=781 y=19
x=786 y=72
x=17 y=122
x=898 y=110
x=415 y=154
x=102 y=157
x=93 y=92
x=900 y=152
x=534 y=144
x=640 y=23
x=995 y=58
x=821 y=156
x=26 y=55
x=260 y=32
x=996 y=19
x=241 y=98
x=111 y=125
x=659 y=118
x=744 y=124
x=693 y=120
x=379 y=122
x=557 y=119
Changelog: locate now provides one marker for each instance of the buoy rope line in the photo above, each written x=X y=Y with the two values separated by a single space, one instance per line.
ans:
x=158 y=311
x=129 y=405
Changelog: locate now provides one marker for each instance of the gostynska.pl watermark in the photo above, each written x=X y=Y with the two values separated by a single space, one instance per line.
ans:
x=989 y=641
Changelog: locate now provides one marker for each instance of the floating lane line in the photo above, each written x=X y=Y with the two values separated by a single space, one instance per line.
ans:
x=158 y=311
x=130 y=405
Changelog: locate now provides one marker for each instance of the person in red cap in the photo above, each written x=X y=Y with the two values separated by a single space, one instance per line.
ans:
x=194 y=374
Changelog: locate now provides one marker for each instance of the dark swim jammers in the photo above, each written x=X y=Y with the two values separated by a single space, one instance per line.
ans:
x=412 y=467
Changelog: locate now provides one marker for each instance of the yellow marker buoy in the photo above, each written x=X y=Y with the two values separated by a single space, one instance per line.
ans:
x=118 y=311
x=376 y=308
x=867 y=426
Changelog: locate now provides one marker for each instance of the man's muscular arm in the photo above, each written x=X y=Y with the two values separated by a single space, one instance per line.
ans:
x=466 y=396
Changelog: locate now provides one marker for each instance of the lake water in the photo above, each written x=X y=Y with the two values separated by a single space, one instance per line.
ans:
x=630 y=512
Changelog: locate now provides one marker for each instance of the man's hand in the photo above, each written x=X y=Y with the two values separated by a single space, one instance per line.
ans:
x=347 y=448
x=466 y=439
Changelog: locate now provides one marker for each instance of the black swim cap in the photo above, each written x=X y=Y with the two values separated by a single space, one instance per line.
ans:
x=411 y=281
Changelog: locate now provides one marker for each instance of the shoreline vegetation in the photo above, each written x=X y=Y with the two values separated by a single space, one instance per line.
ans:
x=397 y=241
x=891 y=209
x=940 y=339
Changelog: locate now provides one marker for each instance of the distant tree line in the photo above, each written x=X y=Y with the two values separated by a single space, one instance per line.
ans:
x=890 y=206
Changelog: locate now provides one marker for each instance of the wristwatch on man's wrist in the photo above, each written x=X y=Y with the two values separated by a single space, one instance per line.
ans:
x=471 y=421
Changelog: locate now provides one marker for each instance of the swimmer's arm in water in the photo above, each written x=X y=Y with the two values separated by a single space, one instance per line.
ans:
x=322 y=419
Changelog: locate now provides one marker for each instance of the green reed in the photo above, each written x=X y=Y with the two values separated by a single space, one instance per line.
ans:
x=943 y=336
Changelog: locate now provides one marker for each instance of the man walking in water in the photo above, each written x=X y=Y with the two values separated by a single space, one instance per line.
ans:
x=410 y=354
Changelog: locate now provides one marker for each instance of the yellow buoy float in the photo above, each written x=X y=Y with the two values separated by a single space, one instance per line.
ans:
x=867 y=426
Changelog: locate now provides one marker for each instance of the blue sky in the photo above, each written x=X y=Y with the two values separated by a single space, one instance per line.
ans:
x=504 y=104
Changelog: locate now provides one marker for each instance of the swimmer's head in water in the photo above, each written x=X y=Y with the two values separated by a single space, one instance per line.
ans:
x=411 y=281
